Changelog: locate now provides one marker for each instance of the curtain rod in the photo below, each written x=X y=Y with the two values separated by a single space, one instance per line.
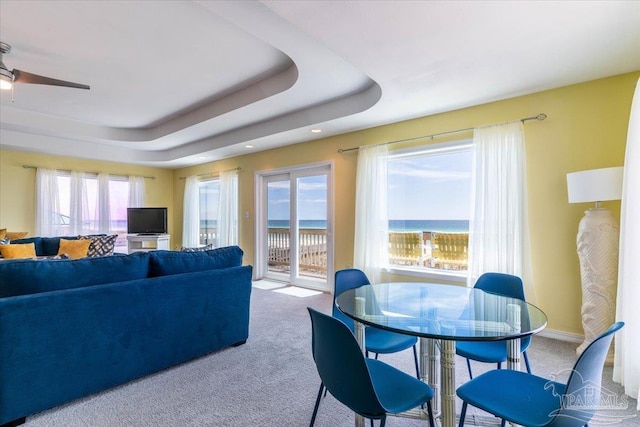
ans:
x=538 y=117
x=213 y=173
x=90 y=173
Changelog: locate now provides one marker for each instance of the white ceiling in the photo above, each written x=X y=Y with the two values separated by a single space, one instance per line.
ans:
x=177 y=83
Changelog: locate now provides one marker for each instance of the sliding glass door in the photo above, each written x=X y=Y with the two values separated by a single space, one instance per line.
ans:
x=294 y=226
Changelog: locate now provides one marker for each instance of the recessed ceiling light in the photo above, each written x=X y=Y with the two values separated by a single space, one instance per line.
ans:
x=316 y=130
x=248 y=146
x=202 y=157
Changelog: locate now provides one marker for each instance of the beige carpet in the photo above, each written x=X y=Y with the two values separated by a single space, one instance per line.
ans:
x=269 y=381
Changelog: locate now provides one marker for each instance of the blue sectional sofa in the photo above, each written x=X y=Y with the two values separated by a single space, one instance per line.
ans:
x=70 y=328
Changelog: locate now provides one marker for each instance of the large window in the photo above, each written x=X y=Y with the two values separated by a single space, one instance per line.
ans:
x=89 y=216
x=429 y=197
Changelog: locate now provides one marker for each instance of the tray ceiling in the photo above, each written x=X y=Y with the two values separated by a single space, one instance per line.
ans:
x=176 y=83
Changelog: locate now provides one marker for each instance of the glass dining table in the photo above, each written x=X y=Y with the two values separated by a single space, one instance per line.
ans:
x=439 y=315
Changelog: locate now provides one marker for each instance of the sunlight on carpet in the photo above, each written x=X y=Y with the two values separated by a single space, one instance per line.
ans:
x=267 y=285
x=297 y=292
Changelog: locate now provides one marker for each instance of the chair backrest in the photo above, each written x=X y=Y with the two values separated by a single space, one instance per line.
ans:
x=581 y=398
x=507 y=285
x=501 y=284
x=349 y=278
x=341 y=365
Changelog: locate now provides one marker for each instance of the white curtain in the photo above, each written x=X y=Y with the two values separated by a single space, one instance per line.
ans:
x=136 y=192
x=499 y=226
x=103 y=208
x=48 y=218
x=191 y=213
x=626 y=366
x=227 y=224
x=79 y=205
x=371 y=243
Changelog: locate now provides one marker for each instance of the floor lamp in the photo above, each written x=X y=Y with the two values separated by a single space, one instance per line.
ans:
x=597 y=242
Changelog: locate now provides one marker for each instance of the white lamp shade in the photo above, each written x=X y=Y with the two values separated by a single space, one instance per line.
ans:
x=596 y=185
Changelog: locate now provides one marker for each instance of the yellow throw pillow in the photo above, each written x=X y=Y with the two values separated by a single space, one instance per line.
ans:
x=74 y=248
x=3 y=233
x=15 y=235
x=26 y=250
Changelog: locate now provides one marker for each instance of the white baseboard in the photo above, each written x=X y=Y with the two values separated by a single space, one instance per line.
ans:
x=561 y=336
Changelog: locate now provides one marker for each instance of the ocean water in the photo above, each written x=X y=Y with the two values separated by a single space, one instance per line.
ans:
x=442 y=225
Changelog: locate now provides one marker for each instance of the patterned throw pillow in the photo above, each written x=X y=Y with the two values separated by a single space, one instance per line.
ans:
x=100 y=245
x=200 y=249
x=54 y=257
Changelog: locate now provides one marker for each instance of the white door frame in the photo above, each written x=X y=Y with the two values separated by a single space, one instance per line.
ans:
x=261 y=249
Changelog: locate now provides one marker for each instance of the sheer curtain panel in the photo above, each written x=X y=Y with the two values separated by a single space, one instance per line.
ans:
x=227 y=227
x=48 y=218
x=626 y=369
x=191 y=213
x=499 y=228
x=103 y=206
x=371 y=242
x=136 y=192
x=79 y=205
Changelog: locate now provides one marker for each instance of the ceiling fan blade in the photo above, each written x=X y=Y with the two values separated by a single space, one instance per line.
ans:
x=29 y=78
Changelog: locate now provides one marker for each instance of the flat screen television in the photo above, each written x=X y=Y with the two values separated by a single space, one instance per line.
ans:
x=146 y=220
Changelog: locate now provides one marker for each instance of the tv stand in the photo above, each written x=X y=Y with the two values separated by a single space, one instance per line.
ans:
x=147 y=242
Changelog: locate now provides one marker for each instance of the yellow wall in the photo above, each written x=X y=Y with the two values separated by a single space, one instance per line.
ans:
x=586 y=128
x=17 y=184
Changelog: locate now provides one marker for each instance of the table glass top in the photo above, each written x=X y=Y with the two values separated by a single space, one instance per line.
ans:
x=441 y=311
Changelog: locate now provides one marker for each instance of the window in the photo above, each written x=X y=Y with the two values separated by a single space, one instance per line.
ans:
x=209 y=192
x=429 y=198
x=88 y=217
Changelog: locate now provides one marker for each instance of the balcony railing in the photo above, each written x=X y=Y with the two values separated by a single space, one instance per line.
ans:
x=427 y=249
x=430 y=249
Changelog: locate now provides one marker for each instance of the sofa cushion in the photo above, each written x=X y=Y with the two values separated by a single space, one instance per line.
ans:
x=22 y=277
x=15 y=235
x=25 y=250
x=162 y=263
x=74 y=248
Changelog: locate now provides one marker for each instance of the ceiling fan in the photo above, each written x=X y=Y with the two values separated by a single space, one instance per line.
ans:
x=7 y=78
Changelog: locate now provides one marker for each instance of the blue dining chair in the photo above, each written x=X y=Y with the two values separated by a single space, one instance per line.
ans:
x=533 y=401
x=494 y=351
x=367 y=386
x=377 y=341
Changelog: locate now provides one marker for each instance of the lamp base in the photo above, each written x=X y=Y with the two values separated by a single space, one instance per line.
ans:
x=597 y=242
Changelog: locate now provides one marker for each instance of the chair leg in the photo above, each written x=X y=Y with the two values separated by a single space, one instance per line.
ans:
x=376 y=356
x=469 y=368
x=463 y=413
x=415 y=360
x=315 y=409
x=432 y=422
x=526 y=361
x=499 y=365
x=383 y=420
x=503 y=422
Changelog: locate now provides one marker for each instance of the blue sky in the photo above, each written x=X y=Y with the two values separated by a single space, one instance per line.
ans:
x=431 y=187
x=312 y=198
